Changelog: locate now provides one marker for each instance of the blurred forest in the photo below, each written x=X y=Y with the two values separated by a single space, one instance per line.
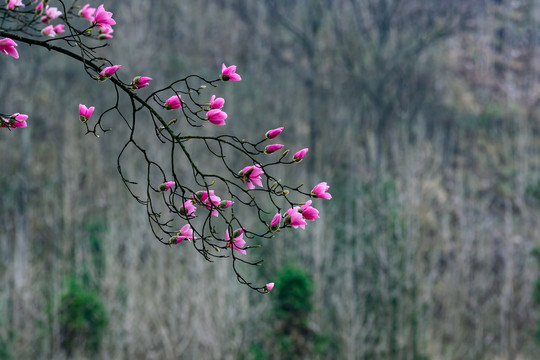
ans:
x=421 y=115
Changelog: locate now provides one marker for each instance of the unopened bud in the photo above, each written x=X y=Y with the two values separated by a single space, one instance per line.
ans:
x=103 y=36
x=199 y=194
x=248 y=173
x=203 y=86
x=287 y=221
x=223 y=204
x=162 y=187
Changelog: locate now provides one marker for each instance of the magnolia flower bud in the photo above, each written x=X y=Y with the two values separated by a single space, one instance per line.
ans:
x=199 y=194
x=223 y=204
x=104 y=36
x=268 y=287
x=247 y=173
x=287 y=221
x=237 y=233
x=162 y=187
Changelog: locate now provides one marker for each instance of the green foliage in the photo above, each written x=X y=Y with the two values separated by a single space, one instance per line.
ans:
x=533 y=192
x=95 y=229
x=293 y=295
x=82 y=318
x=256 y=352
x=5 y=349
x=536 y=297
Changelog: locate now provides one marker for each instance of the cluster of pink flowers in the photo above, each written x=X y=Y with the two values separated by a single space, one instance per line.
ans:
x=14 y=121
x=271 y=134
x=100 y=18
x=215 y=115
x=212 y=201
x=207 y=198
x=296 y=216
x=51 y=13
x=12 y=4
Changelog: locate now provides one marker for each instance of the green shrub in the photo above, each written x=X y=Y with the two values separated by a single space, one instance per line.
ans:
x=82 y=318
x=293 y=295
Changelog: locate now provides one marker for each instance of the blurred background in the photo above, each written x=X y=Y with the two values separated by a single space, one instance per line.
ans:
x=423 y=118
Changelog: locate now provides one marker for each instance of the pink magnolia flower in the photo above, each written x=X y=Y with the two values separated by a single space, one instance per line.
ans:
x=186 y=233
x=102 y=17
x=140 y=82
x=272 y=148
x=51 y=13
x=216 y=116
x=308 y=212
x=188 y=209
x=87 y=12
x=251 y=175
x=12 y=3
x=223 y=204
x=39 y=8
x=300 y=155
x=105 y=32
x=174 y=102
x=238 y=242
x=276 y=220
x=166 y=185
x=59 y=29
x=216 y=103
x=211 y=200
x=295 y=218
x=108 y=72
x=229 y=73
x=7 y=46
x=268 y=287
x=270 y=134
x=320 y=191
x=85 y=113
x=48 y=31
x=15 y=121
